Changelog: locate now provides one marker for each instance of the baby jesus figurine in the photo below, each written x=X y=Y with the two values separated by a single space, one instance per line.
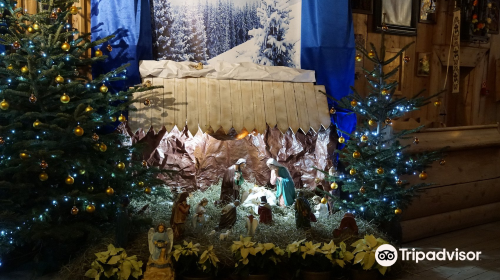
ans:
x=320 y=207
x=199 y=214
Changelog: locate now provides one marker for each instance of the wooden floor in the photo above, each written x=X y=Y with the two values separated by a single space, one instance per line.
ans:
x=484 y=238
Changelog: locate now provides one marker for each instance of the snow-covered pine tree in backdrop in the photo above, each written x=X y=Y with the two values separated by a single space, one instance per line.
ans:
x=162 y=26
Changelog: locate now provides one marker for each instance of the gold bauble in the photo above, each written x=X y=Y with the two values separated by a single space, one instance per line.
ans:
x=121 y=165
x=422 y=175
x=65 y=98
x=24 y=155
x=372 y=122
x=388 y=121
x=74 y=210
x=32 y=98
x=4 y=105
x=371 y=54
x=88 y=109
x=103 y=88
x=341 y=139
x=59 y=79
x=36 y=123
x=53 y=15
x=30 y=29
x=415 y=140
x=59 y=10
x=36 y=26
x=44 y=164
x=81 y=171
x=399 y=182
x=364 y=138
x=356 y=154
x=90 y=208
x=78 y=131
x=332 y=111
x=141 y=184
x=98 y=53
x=358 y=57
x=2 y=141
x=354 y=103
x=109 y=48
x=69 y=180
x=65 y=46
x=398 y=211
x=442 y=162
x=90 y=189
x=362 y=190
x=110 y=191
x=334 y=186
x=147 y=102
x=24 y=69
x=324 y=200
x=43 y=176
x=95 y=137
x=16 y=45
x=112 y=118
x=384 y=91
x=352 y=171
x=437 y=103
x=144 y=163
x=103 y=147
x=317 y=181
x=122 y=118
x=10 y=67
x=147 y=190
x=406 y=59
x=380 y=171
x=73 y=10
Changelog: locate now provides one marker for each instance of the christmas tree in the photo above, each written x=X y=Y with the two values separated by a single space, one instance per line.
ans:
x=374 y=159
x=61 y=175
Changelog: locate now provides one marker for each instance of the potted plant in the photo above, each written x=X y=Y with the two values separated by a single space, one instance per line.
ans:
x=190 y=265
x=316 y=260
x=114 y=264
x=256 y=261
x=364 y=264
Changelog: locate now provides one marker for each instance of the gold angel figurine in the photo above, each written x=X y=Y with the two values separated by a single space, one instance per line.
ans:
x=160 y=247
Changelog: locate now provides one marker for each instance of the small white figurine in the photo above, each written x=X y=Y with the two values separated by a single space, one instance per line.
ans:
x=251 y=224
x=320 y=207
x=199 y=216
x=223 y=236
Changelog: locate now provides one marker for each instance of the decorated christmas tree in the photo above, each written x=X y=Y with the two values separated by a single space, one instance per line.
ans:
x=63 y=171
x=374 y=183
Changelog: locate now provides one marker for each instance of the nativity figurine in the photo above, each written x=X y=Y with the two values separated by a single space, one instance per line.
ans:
x=320 y=207
x=180 y=211
x=303 y=213
x=199 y=214
x=347 y=226
x=160 y=243
x=251 y=225
x=232 y=181
x=285 y=188
x=228 y=215
x=265 y=212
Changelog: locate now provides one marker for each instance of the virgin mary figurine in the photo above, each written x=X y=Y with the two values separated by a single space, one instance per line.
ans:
x=160 y=245
x=285 y=189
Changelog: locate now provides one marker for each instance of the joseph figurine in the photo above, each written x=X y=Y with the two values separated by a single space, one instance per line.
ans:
x=232 y=181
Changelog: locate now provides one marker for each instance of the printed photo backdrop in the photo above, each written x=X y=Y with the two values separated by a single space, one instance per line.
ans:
x=266 y=32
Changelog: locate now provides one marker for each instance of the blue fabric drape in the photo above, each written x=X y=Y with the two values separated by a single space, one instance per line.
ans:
x=327 y=46
x=130 y=22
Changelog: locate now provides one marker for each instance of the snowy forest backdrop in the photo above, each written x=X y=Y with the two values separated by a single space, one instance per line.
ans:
x=261 y=31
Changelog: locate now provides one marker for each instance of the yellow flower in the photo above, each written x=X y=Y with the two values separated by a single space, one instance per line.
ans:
x=329 y=248
x=309 y=249
x=364 y=251
x=265 y=247
x=279 y=251
x=294 y=247
x=209 y=254
x=243 y=243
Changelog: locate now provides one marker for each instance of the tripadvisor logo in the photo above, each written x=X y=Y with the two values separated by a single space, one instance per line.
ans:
x=387 y=255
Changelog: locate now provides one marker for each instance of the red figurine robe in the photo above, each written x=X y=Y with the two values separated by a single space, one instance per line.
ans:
x=265 y=214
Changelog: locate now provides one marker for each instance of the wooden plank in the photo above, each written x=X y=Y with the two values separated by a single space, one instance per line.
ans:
x=247 y=105
x=450 y=221
x=236 y=105
x=267 y=88
x=312 y=108
x=479 y=100
x=180 y=103
x=214 y=104
x=142 y=116
x=449 y=198
x=156 y=107
x=133 y=122
x=300 y=101
x=497 y=89
x=323 y=110
x=203 y=101
x=192 y=105
x=169 y=104
x=226 y=118
x=280 y=106
x=291 y=107
x=469 y=56
x=258 y=102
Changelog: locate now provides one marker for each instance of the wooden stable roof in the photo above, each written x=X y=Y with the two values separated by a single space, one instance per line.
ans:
x=238 y=104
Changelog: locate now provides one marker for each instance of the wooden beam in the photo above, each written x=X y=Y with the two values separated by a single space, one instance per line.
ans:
x=497 y=84
x=469 y=56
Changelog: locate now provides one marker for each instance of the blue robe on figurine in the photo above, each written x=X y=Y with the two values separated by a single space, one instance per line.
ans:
x=160 y=237
x=285 y=188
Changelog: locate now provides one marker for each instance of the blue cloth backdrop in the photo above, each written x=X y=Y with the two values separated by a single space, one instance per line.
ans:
x=327 y=46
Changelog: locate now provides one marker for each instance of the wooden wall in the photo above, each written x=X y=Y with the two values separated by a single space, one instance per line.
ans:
x=478 y=63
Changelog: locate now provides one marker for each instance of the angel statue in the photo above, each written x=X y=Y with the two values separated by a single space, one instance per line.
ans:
x=160 y=245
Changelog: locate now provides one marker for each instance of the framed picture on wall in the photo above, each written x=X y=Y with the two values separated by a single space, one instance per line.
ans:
x=424 y=64
x=492 y=16
x=396 y=16
x=399 y=76
x=362 y=6
x=427 y=11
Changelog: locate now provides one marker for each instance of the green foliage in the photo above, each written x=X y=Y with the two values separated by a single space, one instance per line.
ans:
x=256 y=258
x=32 y=210
x=115 y=264
x=376 y=177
